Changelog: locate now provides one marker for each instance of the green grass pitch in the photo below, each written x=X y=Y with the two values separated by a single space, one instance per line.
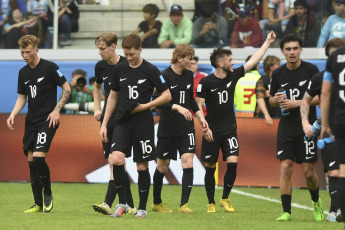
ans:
x=72 y=210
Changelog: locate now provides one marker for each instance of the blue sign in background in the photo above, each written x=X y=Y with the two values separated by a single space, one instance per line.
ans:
x=9 y=77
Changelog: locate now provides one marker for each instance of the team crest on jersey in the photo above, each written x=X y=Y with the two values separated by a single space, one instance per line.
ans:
x=59 y=72
x=162 y=79
x=141 y=81
x=228 y=85
x=302 y=82
x=198 y=89
x=188 y=86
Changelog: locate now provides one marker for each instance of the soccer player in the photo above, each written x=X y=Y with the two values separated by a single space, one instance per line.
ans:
x=132 y=85
x=293 y=78
x=217 y=91
x=106 y=43
x=334 y=79
x=37 y=83
x=176 y=127
x=330 y=162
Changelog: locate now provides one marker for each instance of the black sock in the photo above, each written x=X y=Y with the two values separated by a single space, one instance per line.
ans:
x=286 y=202
x=44 y=173
x=157 y=186
x=36 y=185
x=119 y=178
x=341 y=195
x=210 y=184
x=129 y=198
x=111 y=193
x=144 y=182
x=314 y=194
x=229 y=179
x=333 y=193
x=187 y=184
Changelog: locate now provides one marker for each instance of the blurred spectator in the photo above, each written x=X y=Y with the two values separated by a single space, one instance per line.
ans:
x=13 y=28
x=199 y=3
x=210 y=30
x=279 y=13
x=245 y=97
x=175 y=30
x=303 y=24
x=150 y=27
x=247 y=31
x=68 y=20
x=334 y=26
x=198 y=75
x=80 y=91
x=236 y=5
x=37 y=9
x=262 y=91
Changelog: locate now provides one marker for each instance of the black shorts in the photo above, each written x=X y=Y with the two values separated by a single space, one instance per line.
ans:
x=339 y=132
x=137 y=132
x=329 y=157
x=167 y=146
x=226 y=141
x=39 y=139
x=296 y=149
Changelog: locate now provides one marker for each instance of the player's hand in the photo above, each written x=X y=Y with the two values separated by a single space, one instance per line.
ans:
x=271 y=37
x=103 y=134
x=279 y=97
x=204 y=125
x=269 y=120
x=208 y=135
x=307 y=128
x=53 y=118
x=185 y=112
x=326 y=132
x=288 y=104
x=10 y=122
x=97 y=114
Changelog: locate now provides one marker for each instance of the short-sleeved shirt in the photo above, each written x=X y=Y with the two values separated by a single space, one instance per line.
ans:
x=152 y=41
x=219 y=99
x=315 y=89
x=172 y=123
x=336 y=66
x=295 y=83
x=103 y=74
x=135 y=85
x=40 y=85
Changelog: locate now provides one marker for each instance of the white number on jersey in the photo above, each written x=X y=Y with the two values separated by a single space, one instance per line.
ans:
x=342 y=83
x=33 y=89
x=294 y=94
x=223 y=97
x=133 y=94
x=182 y=97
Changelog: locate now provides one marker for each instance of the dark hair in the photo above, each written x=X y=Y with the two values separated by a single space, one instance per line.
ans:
x=131 y=41
x=334 y=43
x=290 y=38
x=108 y=38
x=196 y=58
x=79 y=72
x=269 y=61
x=217 y=54
x=207 y=9
x=92 y=80
x=151 y=9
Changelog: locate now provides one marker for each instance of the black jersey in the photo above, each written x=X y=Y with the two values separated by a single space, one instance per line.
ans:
x=295 y=82
x=171 y=122
x=39 y=84
x=135 y=85
x=219 y=99
x=103 y=72
x=315 y=89
x=273 y=111
x=336 y=66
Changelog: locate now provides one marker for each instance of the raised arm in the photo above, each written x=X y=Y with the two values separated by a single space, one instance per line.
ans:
x=257 y=56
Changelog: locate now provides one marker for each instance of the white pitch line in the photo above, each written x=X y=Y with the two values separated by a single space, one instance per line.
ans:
x=271 y=200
